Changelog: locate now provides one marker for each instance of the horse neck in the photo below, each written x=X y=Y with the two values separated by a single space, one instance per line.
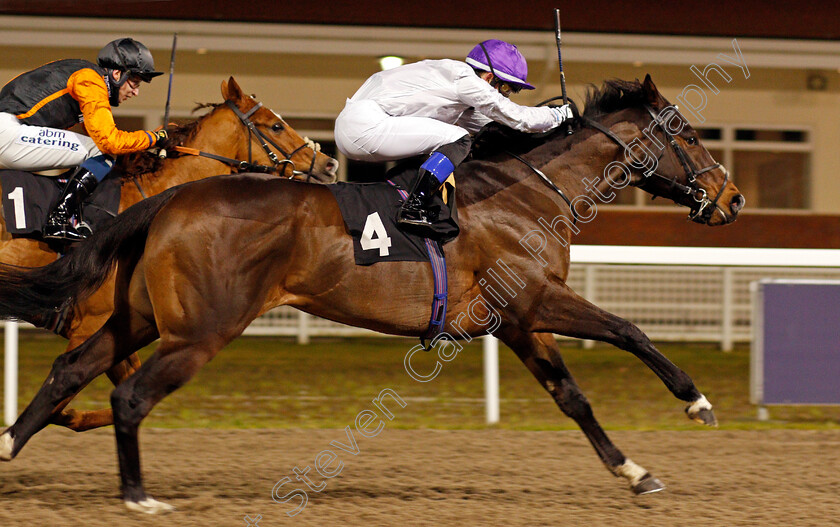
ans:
x=219 y=133
x=599 y=176
x=575 y=164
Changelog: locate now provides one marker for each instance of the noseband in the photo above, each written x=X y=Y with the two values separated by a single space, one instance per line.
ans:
x=265 y=141
x=704 y=207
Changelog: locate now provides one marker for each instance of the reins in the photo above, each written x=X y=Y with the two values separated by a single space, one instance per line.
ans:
x=691 y=173
x=245 y=166
x=548 y=182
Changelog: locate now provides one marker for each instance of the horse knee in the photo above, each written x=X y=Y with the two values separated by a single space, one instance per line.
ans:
x=632 y=338
x=128 y=408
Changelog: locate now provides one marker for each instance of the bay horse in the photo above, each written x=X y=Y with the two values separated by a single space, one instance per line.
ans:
x=198 y=263
x=226 y=131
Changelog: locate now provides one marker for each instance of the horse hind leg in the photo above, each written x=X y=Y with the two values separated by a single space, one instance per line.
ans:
x=169 y=368
x=81 y=421
x=92 y=315
x=31 y=253
x=71 y=372
x=541 y=356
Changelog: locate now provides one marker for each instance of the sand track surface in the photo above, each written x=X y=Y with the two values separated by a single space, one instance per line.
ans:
x=428 y=477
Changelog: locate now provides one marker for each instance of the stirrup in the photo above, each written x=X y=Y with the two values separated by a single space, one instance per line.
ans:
x=411 y=216
x=66 y=231
x=83 y=228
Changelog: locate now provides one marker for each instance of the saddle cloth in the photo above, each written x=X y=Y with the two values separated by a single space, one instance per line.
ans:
x=370 y=215
x=29 y=198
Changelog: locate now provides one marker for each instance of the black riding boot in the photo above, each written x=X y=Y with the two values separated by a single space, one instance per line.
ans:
x=415 y=210
x=65 y=222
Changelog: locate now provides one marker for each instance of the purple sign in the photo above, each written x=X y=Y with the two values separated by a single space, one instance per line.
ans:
x=796 y=349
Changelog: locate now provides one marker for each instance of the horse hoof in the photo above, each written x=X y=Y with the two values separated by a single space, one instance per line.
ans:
x=648 y=485
x=706 y=417
x=149 y=506
x=701 y=411
x=6 y=445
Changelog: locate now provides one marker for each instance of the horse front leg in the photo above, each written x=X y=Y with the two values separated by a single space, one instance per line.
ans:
x=540 y=354
x=566 y=313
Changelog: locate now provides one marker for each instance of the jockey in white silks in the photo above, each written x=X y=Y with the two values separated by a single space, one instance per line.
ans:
x=432 y=107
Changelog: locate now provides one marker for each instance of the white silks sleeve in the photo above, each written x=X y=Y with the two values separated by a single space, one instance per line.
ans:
x=476 y=92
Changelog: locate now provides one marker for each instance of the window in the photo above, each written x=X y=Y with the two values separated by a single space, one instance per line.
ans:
x=772 y=167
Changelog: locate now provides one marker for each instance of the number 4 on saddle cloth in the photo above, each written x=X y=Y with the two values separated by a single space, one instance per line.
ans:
x=370 y=212
x=28 y=199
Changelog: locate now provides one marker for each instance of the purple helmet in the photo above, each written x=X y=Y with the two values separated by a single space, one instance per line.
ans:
x=503 y=60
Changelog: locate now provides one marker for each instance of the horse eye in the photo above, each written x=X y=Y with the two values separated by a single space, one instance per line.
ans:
x=276 y=127
x=691 y=140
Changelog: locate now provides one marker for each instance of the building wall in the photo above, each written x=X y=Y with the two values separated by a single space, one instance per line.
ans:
x=814 y=19
x=314 y=83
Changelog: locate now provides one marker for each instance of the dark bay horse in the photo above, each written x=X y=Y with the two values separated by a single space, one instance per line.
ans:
x=220 y=132
x=198 y=263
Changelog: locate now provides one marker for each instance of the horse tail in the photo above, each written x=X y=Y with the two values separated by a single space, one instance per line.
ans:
x=36 y=294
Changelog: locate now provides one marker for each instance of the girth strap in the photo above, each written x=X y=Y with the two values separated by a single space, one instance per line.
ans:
x=441 y=286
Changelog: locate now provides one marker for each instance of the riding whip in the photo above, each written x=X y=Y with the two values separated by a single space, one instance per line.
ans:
x=569 y=129
x=559 y=54
x=162 y=153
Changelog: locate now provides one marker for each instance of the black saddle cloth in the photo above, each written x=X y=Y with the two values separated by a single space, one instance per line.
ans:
x=29 y=198
x=370 y=215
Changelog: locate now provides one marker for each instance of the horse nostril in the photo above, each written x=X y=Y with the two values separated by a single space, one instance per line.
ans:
x=737 y=203
x=332 y=166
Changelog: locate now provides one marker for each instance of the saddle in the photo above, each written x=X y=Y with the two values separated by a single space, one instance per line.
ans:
x=28 y=199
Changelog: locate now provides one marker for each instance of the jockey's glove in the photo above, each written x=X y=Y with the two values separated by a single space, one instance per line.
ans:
x=561 y=113
x=160 y=137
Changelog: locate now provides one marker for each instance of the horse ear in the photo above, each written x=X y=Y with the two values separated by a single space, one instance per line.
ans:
x=651 y=91
x=231 y=90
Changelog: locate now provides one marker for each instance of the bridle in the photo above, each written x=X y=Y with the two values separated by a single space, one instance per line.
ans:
x=249 y=166
x=265 y=141
x=704 y=207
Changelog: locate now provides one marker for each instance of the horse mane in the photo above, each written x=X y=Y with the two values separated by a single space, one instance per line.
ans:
x=131 y=166
x=612 y=96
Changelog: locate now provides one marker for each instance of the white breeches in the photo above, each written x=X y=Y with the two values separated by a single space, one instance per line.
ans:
x=364 y=132
x=34 y=148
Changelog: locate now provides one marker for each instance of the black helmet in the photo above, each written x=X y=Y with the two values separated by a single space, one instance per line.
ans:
x=126 y=54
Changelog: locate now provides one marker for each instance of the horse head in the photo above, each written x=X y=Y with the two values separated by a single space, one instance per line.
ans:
x=665 y=156
x=273 y=142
